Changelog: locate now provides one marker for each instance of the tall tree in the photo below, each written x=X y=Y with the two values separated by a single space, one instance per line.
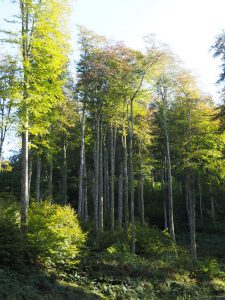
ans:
x=43 y=48
x=165 y=91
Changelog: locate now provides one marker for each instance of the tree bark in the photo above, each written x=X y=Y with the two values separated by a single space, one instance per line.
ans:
x=96 y=178
x=120 y=197
x=101 y=199
x=81 y=173
x=30 y=171
x=106 y=183
x=191 y=215
x=112 y=176
x=213 y=210
x=24 y=181
x=163 y=189
x=85 y=187
x=200 y=199
x=24 y=117
x=38 y=179
x=132 y=216
x=187 y=195
x=125 y=178
x=141 y=187
x=170 y=188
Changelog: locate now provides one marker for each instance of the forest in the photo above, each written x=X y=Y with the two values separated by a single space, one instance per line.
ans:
x=114 y=186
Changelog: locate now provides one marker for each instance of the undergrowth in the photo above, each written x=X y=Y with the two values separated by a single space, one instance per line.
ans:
x=58 y=260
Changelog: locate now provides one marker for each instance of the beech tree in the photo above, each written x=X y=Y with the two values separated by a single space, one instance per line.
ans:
x=165 y=92
x=43 y=47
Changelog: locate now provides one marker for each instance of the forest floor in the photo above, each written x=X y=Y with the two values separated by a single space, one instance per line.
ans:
x=112 y=272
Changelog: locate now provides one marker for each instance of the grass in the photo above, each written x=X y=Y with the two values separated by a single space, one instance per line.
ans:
x=31 y=284
x=117 y=274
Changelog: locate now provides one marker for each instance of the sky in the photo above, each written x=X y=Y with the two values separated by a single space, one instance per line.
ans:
x=189 y=27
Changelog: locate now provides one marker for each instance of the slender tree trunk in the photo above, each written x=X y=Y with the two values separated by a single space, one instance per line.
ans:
x=126 y=196
x=81 y=173
x=165 y=213
x=200 y=199
x=30 y=171
x=132 y=216
x=25 y=119
x=96 y=179
x=50 y=180
x=187 y=194
x=106 y=183
x=170 y=189
x=85 y=192
x=93 y=193
x=120 y=197
x=142 y=201
x=213 y=210
x=139 y=197
x=163 y=189
x=112 y=177
x=125 y=178
x=24 y=181
x=191 y=200
x=141 y=187
x=64 y=174
x=101 y=199
x=38 y=179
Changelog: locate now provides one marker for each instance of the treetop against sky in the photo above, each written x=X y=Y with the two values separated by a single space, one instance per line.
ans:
x=188 y=26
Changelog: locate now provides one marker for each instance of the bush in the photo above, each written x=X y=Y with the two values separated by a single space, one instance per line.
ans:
x=154 y=242
x=122 y=253
x=11 y=241
x=109 y=238
x=54 y=235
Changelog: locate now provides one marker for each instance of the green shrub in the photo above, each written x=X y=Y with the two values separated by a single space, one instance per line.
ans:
x=154 y=242
x=54 y=235
x=106 y=238
x=209 y=269
x=9 y=208
x=11 y=241
x=119 y=255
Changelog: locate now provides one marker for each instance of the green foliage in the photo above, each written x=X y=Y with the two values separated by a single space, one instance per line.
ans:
x=31 y=284
x=11 y=242
x=54 y=235
x=154 y=242
x=158 y=272
x=109 y=238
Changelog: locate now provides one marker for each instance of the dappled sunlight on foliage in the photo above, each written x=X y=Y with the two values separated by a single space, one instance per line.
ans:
x=118 y=189
x=154 y=242
x=54 y=236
